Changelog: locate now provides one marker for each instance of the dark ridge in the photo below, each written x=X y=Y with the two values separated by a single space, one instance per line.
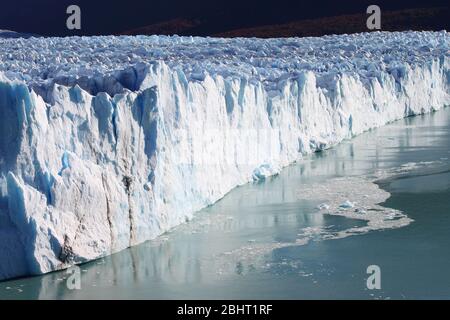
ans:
x=435 y=18
x=8 y=34
x=402 y=20
x=174 y=26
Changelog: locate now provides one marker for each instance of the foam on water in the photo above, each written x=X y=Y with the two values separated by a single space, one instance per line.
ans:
x=362 y=191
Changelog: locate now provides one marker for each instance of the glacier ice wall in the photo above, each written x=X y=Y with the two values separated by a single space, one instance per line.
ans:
x=98 y=156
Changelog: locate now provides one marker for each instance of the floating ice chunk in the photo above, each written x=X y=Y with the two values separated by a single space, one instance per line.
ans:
x=347 y=204
x=264 y=171
x=323 y=206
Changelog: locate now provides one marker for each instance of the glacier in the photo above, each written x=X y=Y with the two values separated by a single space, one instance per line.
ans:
x=107 y=142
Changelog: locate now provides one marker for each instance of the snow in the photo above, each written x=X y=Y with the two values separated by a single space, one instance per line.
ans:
x=323 y=206
x=263 y=171
x=107 y=142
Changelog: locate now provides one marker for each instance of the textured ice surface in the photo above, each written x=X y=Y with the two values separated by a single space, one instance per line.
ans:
x=113 y=63
x=107 y=142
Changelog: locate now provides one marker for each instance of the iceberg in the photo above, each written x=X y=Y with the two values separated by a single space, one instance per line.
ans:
x=107 y=142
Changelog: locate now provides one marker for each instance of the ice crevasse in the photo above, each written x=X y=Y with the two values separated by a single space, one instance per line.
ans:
x=106 y=142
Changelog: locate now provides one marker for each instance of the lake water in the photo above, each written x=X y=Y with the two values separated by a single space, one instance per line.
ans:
x=269 y=240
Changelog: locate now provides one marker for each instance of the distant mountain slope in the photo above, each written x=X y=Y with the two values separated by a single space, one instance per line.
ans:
x=411 y=19
x=176 y=26
x=13 y=34
x=400 y=20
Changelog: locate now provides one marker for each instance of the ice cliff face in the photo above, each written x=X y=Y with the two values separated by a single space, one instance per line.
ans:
x=107 y=142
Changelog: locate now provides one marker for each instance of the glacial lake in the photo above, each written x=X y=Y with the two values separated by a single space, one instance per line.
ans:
x=268 y=241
